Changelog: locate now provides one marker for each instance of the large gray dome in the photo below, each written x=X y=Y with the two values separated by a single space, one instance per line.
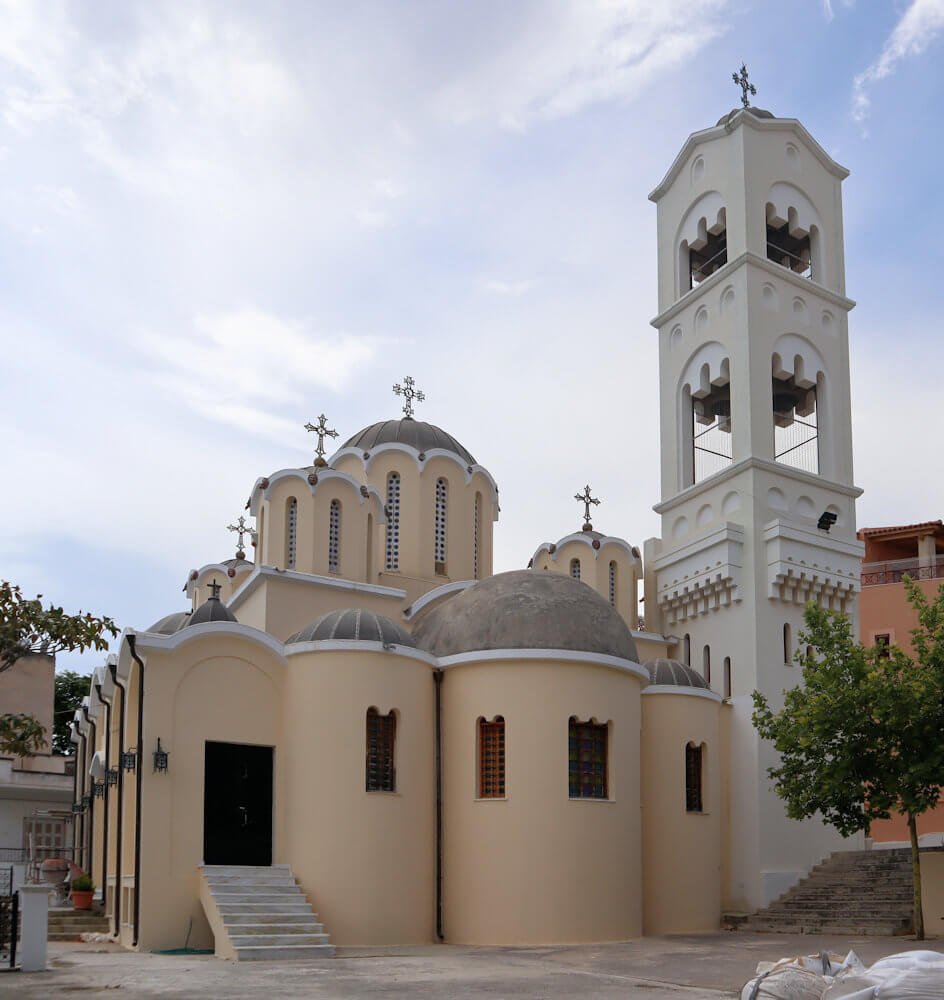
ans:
x=673 y=673
x=354 y=624
x=212 y=610
x=756 y=112
x=415 y=433
x=170 y=623
x=526 y=609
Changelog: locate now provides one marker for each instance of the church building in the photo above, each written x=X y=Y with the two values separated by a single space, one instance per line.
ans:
x=360 y=735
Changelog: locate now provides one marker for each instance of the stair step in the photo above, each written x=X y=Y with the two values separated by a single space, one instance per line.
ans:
x=260 y=917
x=276 y=940
x=267 y=930
x=284 y=952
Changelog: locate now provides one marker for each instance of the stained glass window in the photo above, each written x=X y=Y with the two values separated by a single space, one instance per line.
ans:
x=587 y=746
x=291 y=532
x=334 y=537
x=393 y=521
x=613 y=584
x=381 y=735
x=575 y=568
x=440 y=538
x=492 y=758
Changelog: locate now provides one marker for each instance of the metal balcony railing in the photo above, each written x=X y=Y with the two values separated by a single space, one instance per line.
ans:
x=877 y=574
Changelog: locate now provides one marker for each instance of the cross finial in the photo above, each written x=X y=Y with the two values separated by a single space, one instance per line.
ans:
x=243 y=529
x=746 y=88
x=323 y=431
x=215 y=589
x=586 y=499
x=409 y=393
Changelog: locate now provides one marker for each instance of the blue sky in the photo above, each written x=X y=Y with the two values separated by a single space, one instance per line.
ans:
x=218 y=220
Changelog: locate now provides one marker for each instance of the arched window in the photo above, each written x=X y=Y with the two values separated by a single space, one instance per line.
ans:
x=492 y=758
x=575 y=568
x=476 y=534
x=613 y=583
x=706 y=664
x=787 y=645
x=381 y=737
x=440 y=541
x=693 y=769
x=291 y=532
x=369 y=547
x=687 y=650
x=587 y=759
x=393 y=521
x=727 y=677
x=334 y=537
x=260 y=535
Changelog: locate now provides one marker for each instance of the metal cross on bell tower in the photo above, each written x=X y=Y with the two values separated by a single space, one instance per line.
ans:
x=409 y=393
x=215 y=589
x=323 y=431
x=586 y=499
x=243 y=529
x=746 y=88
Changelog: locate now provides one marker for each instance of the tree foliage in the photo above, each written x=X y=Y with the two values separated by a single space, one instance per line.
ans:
x=71 y=688
x=21 y=735
x=27 y=627
x=860 y=738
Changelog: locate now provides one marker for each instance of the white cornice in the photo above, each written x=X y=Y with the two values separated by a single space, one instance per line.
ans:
x=323 y=474
x=664 y=640
x=359 y=646
x=728 y=532
x=564 y=655
x=753 y=462
x=750 y=121
x=553 y=548
x=260 y=573
x=813 y=536
x=680 y=689
x=216 y=567
x=431 y=596
x=149 y=643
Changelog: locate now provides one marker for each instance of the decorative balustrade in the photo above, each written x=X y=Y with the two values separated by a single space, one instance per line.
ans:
x=877 y=574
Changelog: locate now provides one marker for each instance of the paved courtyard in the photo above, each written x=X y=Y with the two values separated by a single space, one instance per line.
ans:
x=686 y=966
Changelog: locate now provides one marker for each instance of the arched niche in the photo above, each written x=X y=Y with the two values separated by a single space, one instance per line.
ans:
x=701 y=242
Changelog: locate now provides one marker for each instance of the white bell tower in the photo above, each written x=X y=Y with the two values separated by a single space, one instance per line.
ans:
x=758 y=501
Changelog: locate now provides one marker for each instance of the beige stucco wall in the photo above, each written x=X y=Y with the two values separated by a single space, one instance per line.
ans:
x=681 y=850
x=367 y=859
x=229 y=578
x=932 y=892
x=538 y=867
x=28 y=688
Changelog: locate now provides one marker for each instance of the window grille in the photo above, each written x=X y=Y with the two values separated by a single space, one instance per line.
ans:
x=575 y=568
x=613 y=584
x=883 y=644
x=712 y=440
x=587 y=763
x=475 y=536
x=693 y=802
x=291 y=532
x=706 y=664
x=381 y=735
x=727 y=677
x=334 y=537
x=687 y=650
x=393 y=521
x=787 y=645
x=492 y=758
x=440 y=546
x=796 y=426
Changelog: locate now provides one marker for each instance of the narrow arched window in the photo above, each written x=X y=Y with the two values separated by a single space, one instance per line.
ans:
x=693 y=769
x=787 y=645
x=687 y=650
x=727 y=677
x=440 y=539
x=476 y=534
x=334 y=537
x=291 y=532
x=575 y=568
x=369 y=548
x=613 y=583
x=706 y=664
x=393 y=521
x=587 y=759
x=492 y=758
x=381 y=737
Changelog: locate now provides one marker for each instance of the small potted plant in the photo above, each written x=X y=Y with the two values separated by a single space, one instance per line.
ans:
x=82 y=890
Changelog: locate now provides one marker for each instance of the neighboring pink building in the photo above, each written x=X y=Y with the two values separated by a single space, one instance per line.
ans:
x=885 y=616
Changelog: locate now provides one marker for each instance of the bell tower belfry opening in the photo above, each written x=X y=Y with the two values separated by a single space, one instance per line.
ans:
x=756 y=442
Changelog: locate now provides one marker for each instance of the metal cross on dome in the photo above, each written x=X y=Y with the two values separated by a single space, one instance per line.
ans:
x=409 y=393
x=243 y=529
x=746 y=88
x=323 y=431
x=586 y=499
x=215 y=589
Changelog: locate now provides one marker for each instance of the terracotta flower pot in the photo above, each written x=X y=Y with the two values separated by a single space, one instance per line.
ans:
x=82 y=900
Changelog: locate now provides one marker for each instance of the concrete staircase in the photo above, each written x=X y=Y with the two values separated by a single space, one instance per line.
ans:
x=260 y=913
x=851 y=892
x=65 y=923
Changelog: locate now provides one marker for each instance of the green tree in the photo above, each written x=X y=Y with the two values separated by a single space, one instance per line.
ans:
x=21 y=735
x=71 y=688
x=860 y=737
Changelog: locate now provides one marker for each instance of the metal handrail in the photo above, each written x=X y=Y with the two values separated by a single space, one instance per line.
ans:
x=807 y=265
x=877 y=574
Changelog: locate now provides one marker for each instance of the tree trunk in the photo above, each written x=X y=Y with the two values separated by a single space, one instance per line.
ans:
x=916 y=876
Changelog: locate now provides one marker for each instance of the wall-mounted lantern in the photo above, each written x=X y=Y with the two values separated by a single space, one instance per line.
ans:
x=111 y=776
x=128 y=759
x=160 y=757
x=86 y=802
x=77 y=807
x=98 y=789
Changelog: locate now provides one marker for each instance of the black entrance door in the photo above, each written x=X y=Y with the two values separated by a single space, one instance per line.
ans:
x=237 y=805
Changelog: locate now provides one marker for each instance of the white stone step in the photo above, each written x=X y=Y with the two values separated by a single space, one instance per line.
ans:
x=284 y=952
x=210 y=870
x=299 y=905
x=224 y=880
x=226 y=898
x=265 y=916
x=276 y=940
x=266 y=930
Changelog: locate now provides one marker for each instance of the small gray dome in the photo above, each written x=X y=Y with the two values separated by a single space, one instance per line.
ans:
x=212 y=610
x=673 y=673
x=354 y=624
x=525 y=609
x=756 y=112
x=415 y=433
x=170 y=623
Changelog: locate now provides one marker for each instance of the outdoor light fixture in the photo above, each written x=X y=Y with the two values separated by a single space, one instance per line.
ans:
x=98 y=789
x=77 y=807
x=128 y=759
x=111 y=776
x=160 y=757
x=86 y=801
x=826 y=520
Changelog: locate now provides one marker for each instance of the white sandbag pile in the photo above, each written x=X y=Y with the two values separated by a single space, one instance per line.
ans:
x=910 y=975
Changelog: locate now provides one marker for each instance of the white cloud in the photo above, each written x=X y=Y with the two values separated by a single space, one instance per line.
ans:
x=918 y=27
x=498 y=287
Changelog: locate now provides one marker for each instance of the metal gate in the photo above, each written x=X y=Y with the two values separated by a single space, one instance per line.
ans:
x=9 y=918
